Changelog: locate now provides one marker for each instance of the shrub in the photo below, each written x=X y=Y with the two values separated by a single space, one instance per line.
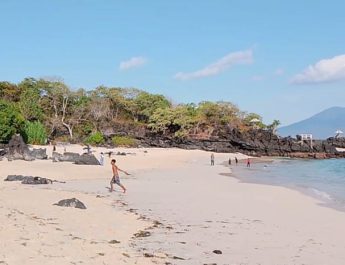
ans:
x=95 y=138
x=124 y=141
x=35 y=133
x=11 y=121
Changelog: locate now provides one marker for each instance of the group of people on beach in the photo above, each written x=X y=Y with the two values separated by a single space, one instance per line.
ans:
x=229 y=161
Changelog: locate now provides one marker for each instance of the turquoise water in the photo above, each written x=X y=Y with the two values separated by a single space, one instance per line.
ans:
x=324 y=179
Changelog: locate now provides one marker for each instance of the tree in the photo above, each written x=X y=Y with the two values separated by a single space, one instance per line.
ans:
x=30 y=97
x=11 y=120
x=254 y=120
x=273 y=126
x=65 y=108
x=147 y=104
x=9 y=91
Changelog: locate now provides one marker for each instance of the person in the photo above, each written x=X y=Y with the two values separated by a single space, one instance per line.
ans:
x=101 y=159
x=212 y=159
x=230 y=161
x=236 y=160
x=54 y=148
x=248 y=162
x=116 y=178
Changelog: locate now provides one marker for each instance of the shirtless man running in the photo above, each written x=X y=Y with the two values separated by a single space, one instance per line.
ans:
x=116 y=178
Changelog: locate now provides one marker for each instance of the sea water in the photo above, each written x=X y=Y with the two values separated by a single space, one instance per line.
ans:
x=324 y=179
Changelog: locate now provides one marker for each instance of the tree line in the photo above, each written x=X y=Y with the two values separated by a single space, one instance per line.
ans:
x=43 y=109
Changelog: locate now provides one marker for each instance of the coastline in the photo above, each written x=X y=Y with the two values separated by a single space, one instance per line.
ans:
x=254 y=176
x=187 y=206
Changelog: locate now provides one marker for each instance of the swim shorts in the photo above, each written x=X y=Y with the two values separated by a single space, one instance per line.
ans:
x=115 y=180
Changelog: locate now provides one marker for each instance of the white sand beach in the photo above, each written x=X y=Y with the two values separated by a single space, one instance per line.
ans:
x=189 y=208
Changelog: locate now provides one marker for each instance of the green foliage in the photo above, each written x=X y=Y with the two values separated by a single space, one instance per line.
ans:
x=35 y=133
x=273 y=126
x=254 y=120
x=178 y=120
x=11 y=121
x=95 y=139
x=124 y=141
x=29 y=102
x=147 y=104
x=9 y=91
x=79 y=113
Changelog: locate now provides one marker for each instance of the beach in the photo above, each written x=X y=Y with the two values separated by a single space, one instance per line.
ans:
x=178 y=210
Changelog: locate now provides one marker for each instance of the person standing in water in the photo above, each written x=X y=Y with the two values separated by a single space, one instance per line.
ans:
x=230 y=161
x=236 y=160
x=212 y=159
x=248 y=162
x=116 y=177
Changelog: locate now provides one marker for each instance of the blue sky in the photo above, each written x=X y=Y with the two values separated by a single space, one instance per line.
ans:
x=282 y=59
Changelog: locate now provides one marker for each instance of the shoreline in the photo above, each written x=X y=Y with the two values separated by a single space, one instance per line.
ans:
x=325 y=199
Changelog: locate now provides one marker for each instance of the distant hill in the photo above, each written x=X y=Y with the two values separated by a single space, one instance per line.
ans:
x=321 y=125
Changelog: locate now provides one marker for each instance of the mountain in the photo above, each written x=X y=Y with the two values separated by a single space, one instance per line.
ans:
x=321 y=125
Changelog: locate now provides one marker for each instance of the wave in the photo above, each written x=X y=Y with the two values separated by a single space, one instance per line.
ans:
x=322 y=194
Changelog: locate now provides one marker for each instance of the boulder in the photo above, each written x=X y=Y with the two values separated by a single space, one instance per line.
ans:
x=14 y=178
x=29 y=179
x=65 y=157
x=17 y=149
x=75 y=203
x=87 y=159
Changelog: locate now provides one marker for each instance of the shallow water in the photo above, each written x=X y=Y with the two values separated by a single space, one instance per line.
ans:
x=324 y=179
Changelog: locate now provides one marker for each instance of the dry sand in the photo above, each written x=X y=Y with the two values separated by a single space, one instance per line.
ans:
x=189 y=208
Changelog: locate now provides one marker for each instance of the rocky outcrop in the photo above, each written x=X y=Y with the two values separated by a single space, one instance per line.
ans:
x=17 y=149
x=65 y=157
x=87 y=159
x=253 y=142
x=28 y=179
x=84 y=159
x=75 y=203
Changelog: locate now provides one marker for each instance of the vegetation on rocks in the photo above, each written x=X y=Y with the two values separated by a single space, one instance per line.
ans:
x=48 y=109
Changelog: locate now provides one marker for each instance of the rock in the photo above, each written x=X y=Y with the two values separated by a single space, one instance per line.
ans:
x=29 y=179
x=65 y=157
x=148 y=255
x=17 y=149
x=142 y=234
x=87 y=159
x=14 y=178
x=121 y=154
x=217 y=252
x=75 y=203
x=114 y=242
x=36 y=181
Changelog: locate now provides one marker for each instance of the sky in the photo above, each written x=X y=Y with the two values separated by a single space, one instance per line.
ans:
x=282 y=59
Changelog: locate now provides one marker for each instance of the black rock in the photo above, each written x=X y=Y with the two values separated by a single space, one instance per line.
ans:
x=36 y=181
x=14 y=178
x=87 y=159
x=142 y=234
x=114 y=242
x=65 y=157
x=29 y=179
x=17 y=149
x=217 y=252
x=75 y=203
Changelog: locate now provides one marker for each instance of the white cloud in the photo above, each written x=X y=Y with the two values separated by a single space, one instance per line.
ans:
x=326 y=70
x=133 y=63
x=279 y=71
x=240 y=57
